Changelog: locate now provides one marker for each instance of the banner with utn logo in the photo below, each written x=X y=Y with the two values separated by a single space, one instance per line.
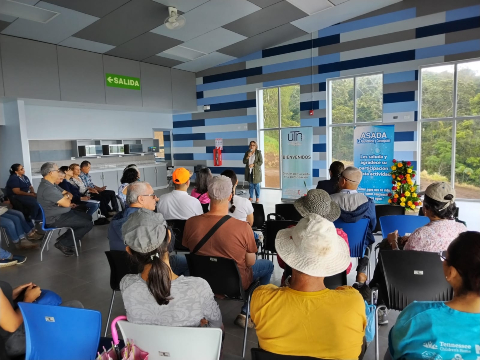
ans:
x=297 y=148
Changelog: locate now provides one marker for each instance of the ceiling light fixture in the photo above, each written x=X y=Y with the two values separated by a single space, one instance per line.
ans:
x=27 y=12
x=174 y=21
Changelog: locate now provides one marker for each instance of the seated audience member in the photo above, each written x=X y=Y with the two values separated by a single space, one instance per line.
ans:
x=58 y=213
x=12 y=330
x=157 y=296
x=315 y=202
x=18 y=229
x=20 y=188
x=99 y=193
x=140 y=195
x=178 y=205
x=305 y=318
x=355 y=206
x=82 y=202
x=200 y=190
x=233 y=239
x=331 y=185
x=438 y=329
x=129 y=176
x=241 y=208
x=8 y=259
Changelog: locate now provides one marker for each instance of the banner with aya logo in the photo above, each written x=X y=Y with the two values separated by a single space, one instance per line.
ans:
x=297 y=148
x=373 y=154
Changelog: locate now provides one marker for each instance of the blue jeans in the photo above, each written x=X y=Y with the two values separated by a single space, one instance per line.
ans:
x=262 y=270
x=92 y=207
x=252 y=187
x=179 y=265
x=14 y=223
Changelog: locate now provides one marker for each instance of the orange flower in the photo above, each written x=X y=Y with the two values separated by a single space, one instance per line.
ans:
x=399 y=164
x=393 y=176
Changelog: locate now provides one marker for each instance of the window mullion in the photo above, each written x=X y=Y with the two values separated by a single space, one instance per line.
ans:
x=454 y=126
x=354 y=99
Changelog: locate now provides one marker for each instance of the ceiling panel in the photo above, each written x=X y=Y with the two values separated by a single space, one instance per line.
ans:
x=162 y=61
x=266 y=19
x=311 y=7
x=262 y=41
x=182 y=53
x=338 y=2
x=3 y=24
x=264 y=3
x=205 y=62
x=208 y=17
x=182 y=5
x=87 y=45
x=172 y=57
x=127 y=22
x=56 y=30
x=98 y=8
x=340 y=13
x=144 y=46
x=214 y=40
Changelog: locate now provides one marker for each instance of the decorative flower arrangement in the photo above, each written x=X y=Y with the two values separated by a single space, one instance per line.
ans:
x=404 y=186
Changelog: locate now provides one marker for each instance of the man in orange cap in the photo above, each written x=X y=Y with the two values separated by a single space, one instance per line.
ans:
x=178 y=205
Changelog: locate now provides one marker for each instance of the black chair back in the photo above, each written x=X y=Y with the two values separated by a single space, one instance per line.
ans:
x=258 y=216
x=385 y=210
x=288 y=212
x=272 y=227
x=413 y=276
x=259 y=354
x=178 y=226
x=334 y=281
x=221 y=274
x=120 y=265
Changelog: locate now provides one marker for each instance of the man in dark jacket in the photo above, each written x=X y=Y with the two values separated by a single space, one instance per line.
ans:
x=331 y=185
x=355 y=206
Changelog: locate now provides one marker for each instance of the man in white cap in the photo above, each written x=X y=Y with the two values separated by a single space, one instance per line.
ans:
x=354 y=207
x=305 y=318
x=233 y=239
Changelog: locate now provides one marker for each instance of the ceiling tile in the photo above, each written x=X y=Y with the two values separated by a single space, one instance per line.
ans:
x=204 y=62
x=311 y=7
x=214 y=40
x=3 y=24
x=182 y=5
x=98 y=8
x=262 y=41
x=207 y=17
x=58 y=29
x=340 y=13
x=338 y=2
x=87 y=45
x=144 y=46
x=7 y=18
x=266 y=19
x=264 y=3
x=172 y=57
x=162 y=61
x=126 y=23
x=182 y=53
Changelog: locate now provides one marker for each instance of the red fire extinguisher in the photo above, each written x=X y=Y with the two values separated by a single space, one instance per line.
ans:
x=217 y=157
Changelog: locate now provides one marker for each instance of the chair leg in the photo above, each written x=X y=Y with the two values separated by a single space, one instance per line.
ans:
x=377 y=351
x=47 y=239
x=246 y=326
x=109 y=313
x=74 y=241
x=4 y=233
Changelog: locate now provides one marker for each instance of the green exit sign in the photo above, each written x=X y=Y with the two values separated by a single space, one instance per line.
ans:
x=121 y=81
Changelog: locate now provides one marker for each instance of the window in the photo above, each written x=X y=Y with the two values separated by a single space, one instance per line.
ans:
x=280 y=109
x=450 y=127
x=353 y=101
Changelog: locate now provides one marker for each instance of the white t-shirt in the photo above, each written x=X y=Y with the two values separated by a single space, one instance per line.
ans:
x=243 y=207
x=179 y=205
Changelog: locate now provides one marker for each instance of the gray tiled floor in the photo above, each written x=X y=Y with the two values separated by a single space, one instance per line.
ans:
x=86 y=279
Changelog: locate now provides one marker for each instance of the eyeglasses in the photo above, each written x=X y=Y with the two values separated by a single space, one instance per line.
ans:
x=152 y=195
x=346 y=178
x=443 y=255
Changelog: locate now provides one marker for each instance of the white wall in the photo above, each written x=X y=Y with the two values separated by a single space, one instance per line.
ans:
x=64 y=123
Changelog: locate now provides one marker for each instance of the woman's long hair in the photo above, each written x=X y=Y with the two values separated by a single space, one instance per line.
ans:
x=14 y=168
x=129 y=176
x=158 y=282
x=203 y=177
x=231 y=174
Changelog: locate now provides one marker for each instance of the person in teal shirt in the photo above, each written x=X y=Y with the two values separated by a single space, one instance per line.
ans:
x=439 y=330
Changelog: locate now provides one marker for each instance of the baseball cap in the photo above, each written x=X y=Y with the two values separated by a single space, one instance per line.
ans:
x=352 y=174
x=144 y=231
x=439 y=191
x=181 y=176
x=220 y=187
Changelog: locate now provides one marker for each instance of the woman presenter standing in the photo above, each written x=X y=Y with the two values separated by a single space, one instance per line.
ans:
x=253 y=161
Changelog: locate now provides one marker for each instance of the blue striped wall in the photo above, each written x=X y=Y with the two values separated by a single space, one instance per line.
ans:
x=395 y=41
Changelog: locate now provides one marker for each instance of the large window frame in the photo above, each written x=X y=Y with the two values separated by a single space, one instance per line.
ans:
x=331 y=125
x=454 y=119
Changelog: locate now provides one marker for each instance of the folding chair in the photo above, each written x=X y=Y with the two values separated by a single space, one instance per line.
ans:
x=334 y=281
x=178 y=227
x=287 y=211
x=120 y=265
x=3 y=233
x=258 y=217
x=49 y=232
x=385 y=210
x=60 y=333
x=410 y=276
x=224 y=278
x=170 y=342
x=259 y=354
x=403 y=223
x=121 y=204
x=272 y=227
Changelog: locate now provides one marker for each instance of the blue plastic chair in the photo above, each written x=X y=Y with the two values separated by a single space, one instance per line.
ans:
x=60 y=333
x=49 y=232
x=403 y=223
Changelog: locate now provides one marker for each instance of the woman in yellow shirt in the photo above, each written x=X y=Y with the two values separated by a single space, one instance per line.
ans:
x=305 y=318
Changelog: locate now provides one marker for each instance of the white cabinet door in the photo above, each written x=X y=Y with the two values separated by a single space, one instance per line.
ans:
x=35 y=183
x=150 y=176
x=110 y=180
x=161 y=176
x=97 y=179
